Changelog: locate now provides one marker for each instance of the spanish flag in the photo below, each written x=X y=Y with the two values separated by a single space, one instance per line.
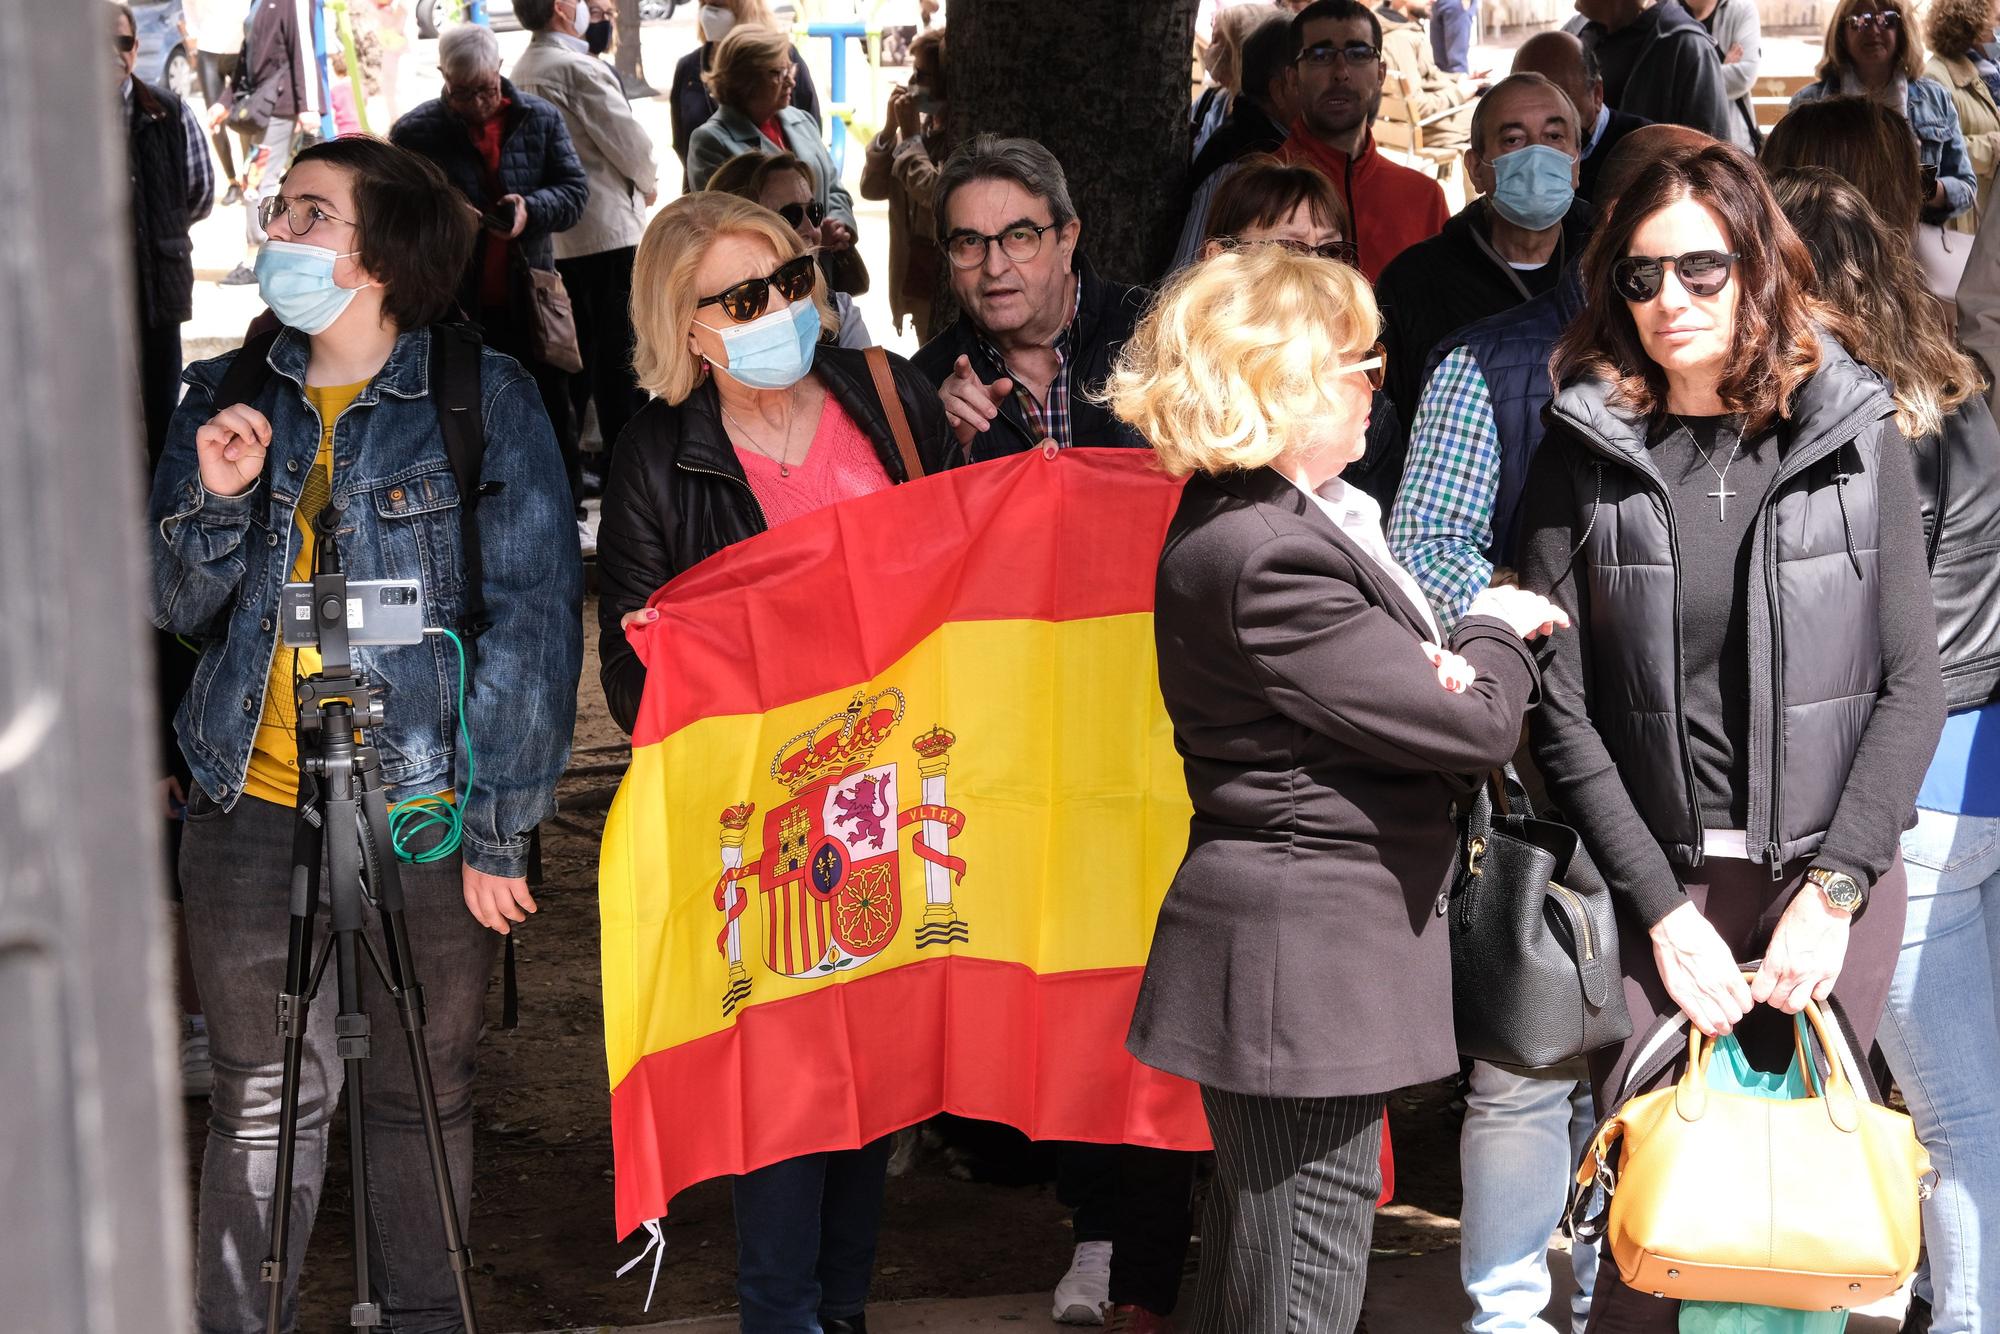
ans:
x=902 y=806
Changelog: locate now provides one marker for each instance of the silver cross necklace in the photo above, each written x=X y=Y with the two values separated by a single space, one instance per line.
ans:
x=1722 y=494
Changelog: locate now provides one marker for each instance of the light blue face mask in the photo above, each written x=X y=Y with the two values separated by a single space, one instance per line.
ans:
x=1532 y=186
x=296 y=282
x=773 y=351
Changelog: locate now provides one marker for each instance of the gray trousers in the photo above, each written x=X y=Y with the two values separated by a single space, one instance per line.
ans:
x=1284 y=1241
x=235 y=870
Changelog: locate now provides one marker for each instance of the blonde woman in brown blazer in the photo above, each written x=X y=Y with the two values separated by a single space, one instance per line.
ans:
x=1299 y=971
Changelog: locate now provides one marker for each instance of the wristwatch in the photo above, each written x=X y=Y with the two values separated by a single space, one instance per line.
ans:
x=1843 y=893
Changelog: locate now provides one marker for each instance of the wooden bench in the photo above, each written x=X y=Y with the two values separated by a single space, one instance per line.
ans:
x=1771 y=96
x=1399 y=129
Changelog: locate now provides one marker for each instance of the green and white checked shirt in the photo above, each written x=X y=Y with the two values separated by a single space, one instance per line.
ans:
x=1442 y=522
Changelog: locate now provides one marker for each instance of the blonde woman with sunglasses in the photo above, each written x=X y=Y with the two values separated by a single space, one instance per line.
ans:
x=1300 y=971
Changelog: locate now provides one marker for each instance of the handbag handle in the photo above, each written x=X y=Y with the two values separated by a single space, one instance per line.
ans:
x=1691 y=1094
x=892 y=408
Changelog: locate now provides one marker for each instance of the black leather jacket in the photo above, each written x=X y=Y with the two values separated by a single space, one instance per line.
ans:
x=1958 y=484
x=677 y=495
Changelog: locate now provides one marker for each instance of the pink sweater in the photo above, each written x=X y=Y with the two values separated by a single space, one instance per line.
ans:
x=840 y=464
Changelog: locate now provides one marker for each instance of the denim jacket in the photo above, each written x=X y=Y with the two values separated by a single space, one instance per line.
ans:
x=220 y=561
x=1940 y=143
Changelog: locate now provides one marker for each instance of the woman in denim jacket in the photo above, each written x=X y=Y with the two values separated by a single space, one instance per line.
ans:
x=1873 y=50
x=366 y=246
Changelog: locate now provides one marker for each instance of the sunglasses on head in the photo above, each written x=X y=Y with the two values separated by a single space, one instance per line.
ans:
x=1701 y=272
x=796 y=215
x=123 y=44
x=1882 y=20
x=746 y=300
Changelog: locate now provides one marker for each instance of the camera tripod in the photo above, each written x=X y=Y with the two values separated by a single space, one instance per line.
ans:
x=349 y=820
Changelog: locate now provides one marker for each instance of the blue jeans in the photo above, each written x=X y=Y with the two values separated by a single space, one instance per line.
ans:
x=1520 y=1143
x=805 y=1238
x=1941 y=1035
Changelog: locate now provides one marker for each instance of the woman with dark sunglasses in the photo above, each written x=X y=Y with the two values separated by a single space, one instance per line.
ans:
x=784 y=183
x=754 y=422
x=1739 y=726
x=1873 y=50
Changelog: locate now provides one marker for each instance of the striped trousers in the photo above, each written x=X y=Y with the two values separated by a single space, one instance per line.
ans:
x=1284 y=1240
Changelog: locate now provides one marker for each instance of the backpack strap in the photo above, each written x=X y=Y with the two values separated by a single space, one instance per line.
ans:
x=249 y=370
x=454 y=387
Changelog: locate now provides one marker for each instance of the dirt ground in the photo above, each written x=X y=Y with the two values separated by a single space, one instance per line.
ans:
x=542 y=1233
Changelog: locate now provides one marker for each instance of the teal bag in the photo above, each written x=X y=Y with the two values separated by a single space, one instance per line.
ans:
x=1729 y=1072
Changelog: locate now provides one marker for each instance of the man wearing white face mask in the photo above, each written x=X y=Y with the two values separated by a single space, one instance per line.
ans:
x=1507 y=246
x=690 y=103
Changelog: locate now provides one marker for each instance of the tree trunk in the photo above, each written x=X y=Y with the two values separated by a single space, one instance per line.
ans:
x=626 y=57
x=1103 y=84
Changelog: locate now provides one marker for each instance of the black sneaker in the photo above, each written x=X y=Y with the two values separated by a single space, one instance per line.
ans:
x=240 y=276
x=231 y=197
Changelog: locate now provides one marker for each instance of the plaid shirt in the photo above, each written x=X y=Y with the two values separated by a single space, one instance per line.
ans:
x=1051 y=418
x=200 y=173
x=1442 y=522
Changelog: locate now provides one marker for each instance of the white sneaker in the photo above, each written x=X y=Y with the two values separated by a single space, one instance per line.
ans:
x=197 y=1076
x=1086 y=1289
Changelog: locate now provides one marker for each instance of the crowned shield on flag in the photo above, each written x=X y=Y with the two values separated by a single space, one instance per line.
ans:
x=832 y=889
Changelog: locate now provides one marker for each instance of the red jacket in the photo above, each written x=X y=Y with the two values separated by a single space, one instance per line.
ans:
x=1393 y=207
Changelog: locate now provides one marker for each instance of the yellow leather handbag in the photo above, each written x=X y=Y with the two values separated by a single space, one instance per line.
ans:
x=1809 y=1204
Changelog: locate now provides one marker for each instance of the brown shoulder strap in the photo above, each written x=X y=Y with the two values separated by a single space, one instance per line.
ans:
x=892 y=408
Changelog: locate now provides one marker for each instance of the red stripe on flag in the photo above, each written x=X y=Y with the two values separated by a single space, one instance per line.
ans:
x=844 y=592
x=849 y=1063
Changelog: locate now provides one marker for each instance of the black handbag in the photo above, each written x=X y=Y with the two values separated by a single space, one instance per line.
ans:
x=1535 y=975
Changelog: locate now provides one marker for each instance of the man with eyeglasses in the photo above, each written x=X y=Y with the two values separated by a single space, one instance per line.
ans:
x=509 y=154
x=1658 y=62
x=173 y=187
x=1338 y=76
x=594 y=257
x=1037 y=329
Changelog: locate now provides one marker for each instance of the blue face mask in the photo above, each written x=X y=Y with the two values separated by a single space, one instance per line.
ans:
x=296 y=282
x=773 y=351
x=1532 y=186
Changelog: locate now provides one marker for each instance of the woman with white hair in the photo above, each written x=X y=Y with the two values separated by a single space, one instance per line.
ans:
x=509 y=154
x=1300 y=970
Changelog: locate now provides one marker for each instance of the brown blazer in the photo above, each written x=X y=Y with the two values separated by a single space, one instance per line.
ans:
x=1299 y=952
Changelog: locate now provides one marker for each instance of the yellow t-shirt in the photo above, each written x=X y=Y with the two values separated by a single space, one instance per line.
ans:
x=274 y=755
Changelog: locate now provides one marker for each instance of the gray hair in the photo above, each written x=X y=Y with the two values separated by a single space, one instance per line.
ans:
x=535 y=15
x=1481 y=111
x=468 y=51
x=988 y=157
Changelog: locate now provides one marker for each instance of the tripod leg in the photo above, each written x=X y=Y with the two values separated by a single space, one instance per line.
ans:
x=293 y=1003
x=351 y=1029
x=400 y=979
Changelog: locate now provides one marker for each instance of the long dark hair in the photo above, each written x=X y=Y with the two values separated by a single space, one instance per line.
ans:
x=1775 y=347
x=1882 y=309
x=415 y=233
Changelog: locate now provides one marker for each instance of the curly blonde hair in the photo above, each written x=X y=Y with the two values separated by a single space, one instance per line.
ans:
x=1954 y=27
x=663 y=282
x=1228 y=369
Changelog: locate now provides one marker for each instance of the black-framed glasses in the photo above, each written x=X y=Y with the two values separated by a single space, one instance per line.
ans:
x=301 y=215
x=1702 y=272
x=1324 y=55
x=797 y=215
x=1020 y=243
x=473 y=94
x=746 y=300
x=124 y=44
x=1881 y=20
x=1342 y=252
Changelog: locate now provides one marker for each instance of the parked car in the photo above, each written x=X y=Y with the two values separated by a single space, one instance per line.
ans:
x=166 y=54
x=433 y=16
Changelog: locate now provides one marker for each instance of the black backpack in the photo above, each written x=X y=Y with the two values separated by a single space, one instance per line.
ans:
x=454 y=386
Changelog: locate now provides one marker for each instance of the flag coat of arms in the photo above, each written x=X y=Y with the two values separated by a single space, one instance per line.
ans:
x=902 y=806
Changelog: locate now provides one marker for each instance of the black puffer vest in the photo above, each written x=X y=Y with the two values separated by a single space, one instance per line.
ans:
x=1815 y=642
x=156 y=158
